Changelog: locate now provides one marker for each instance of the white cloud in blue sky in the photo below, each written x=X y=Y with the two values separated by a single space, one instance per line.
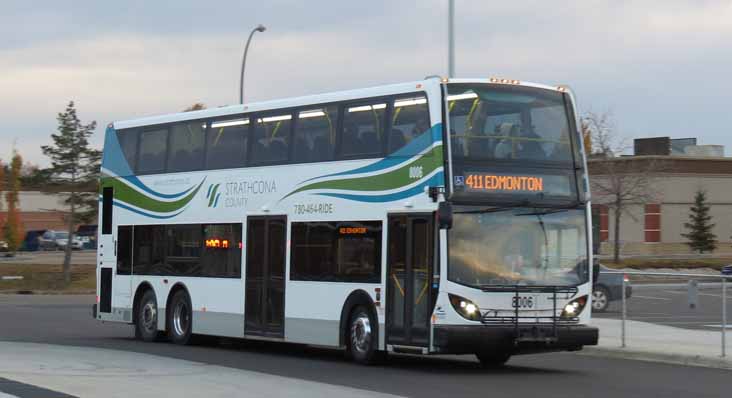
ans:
x=661 y=67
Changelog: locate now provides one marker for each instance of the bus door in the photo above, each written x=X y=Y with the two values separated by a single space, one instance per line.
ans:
x=264 y=307
x=409 y=270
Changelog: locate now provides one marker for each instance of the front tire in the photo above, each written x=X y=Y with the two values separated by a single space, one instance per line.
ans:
x=600 y=299
x=146 y=326
x=362 y=337
x=180 y=318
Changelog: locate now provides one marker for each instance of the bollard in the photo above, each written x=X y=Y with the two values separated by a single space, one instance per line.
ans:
x=693 y=293
x=622 y=324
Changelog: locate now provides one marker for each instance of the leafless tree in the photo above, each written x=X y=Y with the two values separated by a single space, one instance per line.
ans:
x=618 y=182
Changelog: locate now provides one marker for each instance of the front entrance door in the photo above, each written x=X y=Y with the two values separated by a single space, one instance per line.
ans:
x=409 y=294
x=264 y=311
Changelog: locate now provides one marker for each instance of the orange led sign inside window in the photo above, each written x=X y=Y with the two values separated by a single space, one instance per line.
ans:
x=217 y=243
x=352 y=230
x=489 y=182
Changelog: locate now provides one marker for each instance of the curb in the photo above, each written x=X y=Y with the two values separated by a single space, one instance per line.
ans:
x=49 y=292
x=650 y=356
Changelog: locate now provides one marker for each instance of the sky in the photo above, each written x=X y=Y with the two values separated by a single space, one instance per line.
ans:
x=660 y=68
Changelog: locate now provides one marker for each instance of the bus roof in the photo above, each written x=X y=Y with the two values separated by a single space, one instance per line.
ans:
x=390 y=89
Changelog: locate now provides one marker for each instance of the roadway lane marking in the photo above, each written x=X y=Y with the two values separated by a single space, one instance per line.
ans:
x=651 y=298
x=719 y=326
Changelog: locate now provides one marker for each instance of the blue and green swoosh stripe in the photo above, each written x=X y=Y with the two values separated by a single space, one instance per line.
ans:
x=387 y=179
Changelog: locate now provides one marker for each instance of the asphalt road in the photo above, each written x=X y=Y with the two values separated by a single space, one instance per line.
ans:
x=668 y=304
x=67 y=320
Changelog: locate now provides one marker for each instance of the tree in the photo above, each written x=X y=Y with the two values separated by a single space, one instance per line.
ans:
x=11 y=229
x=618 y=182
x=700 y=234
x=75 y=168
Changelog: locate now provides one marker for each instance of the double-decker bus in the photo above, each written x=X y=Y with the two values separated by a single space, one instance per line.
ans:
x=431 y=217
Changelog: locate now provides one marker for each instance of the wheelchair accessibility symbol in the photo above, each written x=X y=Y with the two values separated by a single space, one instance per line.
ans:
x=459 y=181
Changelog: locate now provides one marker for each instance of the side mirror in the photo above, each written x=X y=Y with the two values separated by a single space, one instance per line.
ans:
x=444 y=215
x=595 y=270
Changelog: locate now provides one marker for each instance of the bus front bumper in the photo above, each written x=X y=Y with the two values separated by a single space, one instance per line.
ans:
x=528 y=338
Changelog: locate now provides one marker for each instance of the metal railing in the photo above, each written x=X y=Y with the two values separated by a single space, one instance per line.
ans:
x=723 y=279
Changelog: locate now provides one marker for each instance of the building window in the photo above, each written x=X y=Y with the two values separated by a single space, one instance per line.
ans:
x=336 y=251
x=652 y=225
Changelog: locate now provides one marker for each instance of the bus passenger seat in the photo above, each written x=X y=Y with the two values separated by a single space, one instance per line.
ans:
x=369 y=143
x=396 y=140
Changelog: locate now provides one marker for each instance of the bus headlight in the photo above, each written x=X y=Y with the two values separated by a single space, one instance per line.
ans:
x=466 y=308
x=574 y=307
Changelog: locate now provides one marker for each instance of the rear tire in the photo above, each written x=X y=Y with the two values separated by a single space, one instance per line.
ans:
x=600 y=299
x=362 y=336
x=146 y=325
x=493 y=360
x=180 y=318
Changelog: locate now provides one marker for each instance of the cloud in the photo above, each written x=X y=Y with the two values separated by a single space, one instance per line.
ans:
x=661 y=66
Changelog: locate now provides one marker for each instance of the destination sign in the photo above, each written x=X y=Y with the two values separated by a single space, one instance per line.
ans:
x=506 y=183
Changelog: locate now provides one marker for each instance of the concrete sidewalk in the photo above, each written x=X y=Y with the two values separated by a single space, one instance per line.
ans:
x=658 y=343
x=94 y=372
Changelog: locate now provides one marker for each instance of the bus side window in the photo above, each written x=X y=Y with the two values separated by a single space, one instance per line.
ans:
x=107 y=206
x=315 y=134
x=271 y=141
x=186 y=146
x=410 y=119
x=363 y=130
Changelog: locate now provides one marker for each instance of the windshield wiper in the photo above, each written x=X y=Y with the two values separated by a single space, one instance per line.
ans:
x=549 y=210
x=523 y=203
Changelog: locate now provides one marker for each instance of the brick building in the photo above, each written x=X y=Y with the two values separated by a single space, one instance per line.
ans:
x=656 y=227
x=38 y=210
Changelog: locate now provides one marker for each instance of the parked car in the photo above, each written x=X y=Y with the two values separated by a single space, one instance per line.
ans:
x=727 y=270
x=57 y=240
x=62 y=239
x=609 y=287
x=87 y=234
x=31 y=242
x=3 y=246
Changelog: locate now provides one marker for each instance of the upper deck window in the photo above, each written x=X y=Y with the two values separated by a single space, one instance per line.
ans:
x=186 y=146
x=153 y=145
x=128 y=142
x=315 y=134
x=410 y=119
x=508 y=123
x=363 y=129
x=271 y=141
x=226 y=143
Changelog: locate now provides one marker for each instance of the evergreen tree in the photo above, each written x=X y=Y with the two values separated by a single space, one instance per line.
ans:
x=75 y=170
x=11 y=229
x=700 y=234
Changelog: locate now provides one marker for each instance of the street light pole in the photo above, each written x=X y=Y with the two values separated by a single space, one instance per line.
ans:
x=451 y=39
x=259 y=28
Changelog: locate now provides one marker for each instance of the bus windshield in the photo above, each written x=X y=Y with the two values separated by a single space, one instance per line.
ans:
x=507 y=122
x=518 y=246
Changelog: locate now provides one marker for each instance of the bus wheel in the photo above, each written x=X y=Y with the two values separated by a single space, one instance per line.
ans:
x=362 y=338
x=146 y=327
x=180 y=318
x=492 y=360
